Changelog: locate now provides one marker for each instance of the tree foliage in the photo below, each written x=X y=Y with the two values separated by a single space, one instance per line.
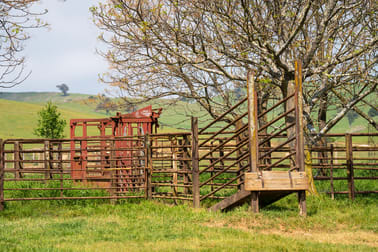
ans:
x=50 y=124
x=16 y=18
x=352 y=116
x=106 y=104
x=63 y=88
x=202 y=50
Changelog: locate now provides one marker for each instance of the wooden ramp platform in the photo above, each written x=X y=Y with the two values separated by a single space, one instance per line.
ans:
x=270 y=185
x=265 y=198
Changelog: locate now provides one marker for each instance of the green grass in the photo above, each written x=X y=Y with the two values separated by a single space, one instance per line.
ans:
x=139 y=225
x=18 y=119
x=72 y=102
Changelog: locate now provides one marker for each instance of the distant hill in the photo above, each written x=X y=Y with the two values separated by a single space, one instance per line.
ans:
x=72 y=102
x=18 y=119
x=18 y=113
x=174 y=116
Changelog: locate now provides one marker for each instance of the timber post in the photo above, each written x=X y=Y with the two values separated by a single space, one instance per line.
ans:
x=349 y=160
x=16 y=158
x=299 y=133
x=46 y=161
x=195 y=163
x=2 y=166
x=253 y=134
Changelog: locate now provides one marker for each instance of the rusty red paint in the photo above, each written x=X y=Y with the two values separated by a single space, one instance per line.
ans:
x=138 y=123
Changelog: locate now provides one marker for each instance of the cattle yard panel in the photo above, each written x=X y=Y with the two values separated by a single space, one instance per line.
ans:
x=122 y=157
x=223 y=154
x=42 y=169
x=347 y=165
x=170 y=166
x=161 y=166
x=250 y=142
x=137 y=124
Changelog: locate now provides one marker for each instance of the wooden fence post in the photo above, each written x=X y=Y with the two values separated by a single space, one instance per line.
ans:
x=195 y=163
x=46 y=156
x=299 y=133
x=349 y=159
x=17 y=158
x=253 y=134
x=1 y=175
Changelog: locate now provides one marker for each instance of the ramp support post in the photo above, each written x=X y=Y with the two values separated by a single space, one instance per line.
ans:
x=299 y=133
x=253 y=134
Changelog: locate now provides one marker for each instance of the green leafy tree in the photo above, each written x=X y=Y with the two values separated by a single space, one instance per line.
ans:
x=50 y=123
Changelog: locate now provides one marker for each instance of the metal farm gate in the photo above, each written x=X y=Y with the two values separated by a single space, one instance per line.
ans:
x=156 y=166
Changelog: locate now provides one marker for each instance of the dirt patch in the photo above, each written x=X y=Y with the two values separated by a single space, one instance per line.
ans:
x=336 y=237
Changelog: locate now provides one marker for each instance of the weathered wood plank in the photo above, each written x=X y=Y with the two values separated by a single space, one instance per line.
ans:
x=235 y=200
x=276 y=181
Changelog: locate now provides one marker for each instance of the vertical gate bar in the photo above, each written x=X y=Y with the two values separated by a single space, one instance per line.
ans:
x=349 y=159
x=46 y=157
x=211 y=160
x=253 y=135
x=195 y=163
x=186 y=165
x=72 y=151
x=238 y=126
x=16 y=159
x=331 y=174
x=60 y=166
x=299 y=133
x=51 y=158
x=148 y=166
x=173 y=142
x=84 y=153
x=21 y=157
x=2 y=175
x=113 y=171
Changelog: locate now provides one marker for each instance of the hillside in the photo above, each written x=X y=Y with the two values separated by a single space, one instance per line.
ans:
x=174 y=117
x=18 y=119
x=18 y=113
x=72 y=102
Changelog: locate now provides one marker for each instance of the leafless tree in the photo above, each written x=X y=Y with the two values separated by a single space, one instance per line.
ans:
x=202 y=49
x=16 y=18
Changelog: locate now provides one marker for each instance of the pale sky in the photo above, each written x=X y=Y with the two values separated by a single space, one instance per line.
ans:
x=65 y=53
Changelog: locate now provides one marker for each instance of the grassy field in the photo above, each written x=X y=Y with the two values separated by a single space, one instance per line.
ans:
x=339 y=225
x=19 y=113
x=18 y=119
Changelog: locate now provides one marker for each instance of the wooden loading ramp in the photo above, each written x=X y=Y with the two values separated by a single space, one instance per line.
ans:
x=274 y=171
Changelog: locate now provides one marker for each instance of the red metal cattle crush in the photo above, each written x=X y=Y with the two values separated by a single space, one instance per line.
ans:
x=93 y=160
